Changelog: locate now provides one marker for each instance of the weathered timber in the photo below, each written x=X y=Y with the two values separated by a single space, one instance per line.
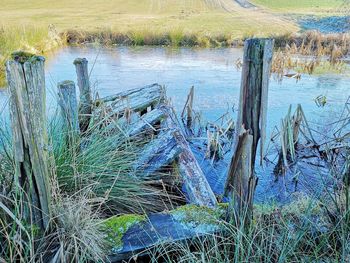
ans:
x=135 y=100
x=243 y=182
x=252 y=119
x=69 y=110
x=197 y=186
x=26 y=84
x=159 y=153
x=146 y=122
x=85 y=99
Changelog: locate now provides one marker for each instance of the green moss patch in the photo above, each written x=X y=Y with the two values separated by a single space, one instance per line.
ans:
x=201 y=218
x=116 y=226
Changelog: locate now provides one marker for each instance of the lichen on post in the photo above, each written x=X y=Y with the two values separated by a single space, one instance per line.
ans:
x=85 y=99
x=26 y=84
x=69 y=111
x=251 y=126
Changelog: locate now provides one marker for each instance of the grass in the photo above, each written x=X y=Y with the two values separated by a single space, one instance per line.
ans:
x=196 y=16
x=34 y=39
x=301 y=6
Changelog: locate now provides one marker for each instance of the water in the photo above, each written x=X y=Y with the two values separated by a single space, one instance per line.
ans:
x=211 y=71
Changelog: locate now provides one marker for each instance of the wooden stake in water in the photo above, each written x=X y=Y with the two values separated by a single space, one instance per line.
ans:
x=26 y=84
x=69 y=110
x=251 y=126
x=85 y=103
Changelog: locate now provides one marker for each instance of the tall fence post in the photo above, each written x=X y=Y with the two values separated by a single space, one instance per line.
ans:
x=85 y=102
x=69 y=111
x=251 y=126
x=26 y=84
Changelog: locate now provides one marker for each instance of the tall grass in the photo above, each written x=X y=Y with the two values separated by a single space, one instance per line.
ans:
x=34 y=39
x=93 y=179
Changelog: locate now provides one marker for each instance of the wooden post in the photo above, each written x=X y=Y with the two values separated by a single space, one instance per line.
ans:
x=69 y=110
x=85 y=103
x=26 y=84
x=251 y=126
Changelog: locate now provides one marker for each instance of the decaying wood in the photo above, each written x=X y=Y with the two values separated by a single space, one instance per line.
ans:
x=243 y=182
x=196 y=184
x=189 y=108
x=135 y=100
x=26 y=85
x=85 y=100
x=251 y=125
x=147 y=122
x=159 y=153
x=69 y=110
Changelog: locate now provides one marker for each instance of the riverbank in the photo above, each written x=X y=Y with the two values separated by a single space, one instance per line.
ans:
x=199 y=23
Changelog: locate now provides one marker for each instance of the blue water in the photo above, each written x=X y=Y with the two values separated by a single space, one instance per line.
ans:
x=212 y=71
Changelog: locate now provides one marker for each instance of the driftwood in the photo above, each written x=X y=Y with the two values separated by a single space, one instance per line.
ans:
x=26 y=85
x=196 y=184
x=241 y=180
x=159 y=153
x=69 y=110
x=85 y=102
x=147 y=122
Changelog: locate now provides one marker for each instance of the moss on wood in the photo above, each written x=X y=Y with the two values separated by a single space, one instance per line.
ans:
x=116 y=226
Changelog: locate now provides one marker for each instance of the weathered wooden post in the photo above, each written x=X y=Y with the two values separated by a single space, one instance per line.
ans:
x=26 y=84
x=69 y=111
x=85 y=102
x=251 y=126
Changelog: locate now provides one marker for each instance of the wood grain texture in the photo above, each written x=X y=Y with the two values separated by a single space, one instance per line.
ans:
x=26 y=85
x=197 y=186
x=69 y=110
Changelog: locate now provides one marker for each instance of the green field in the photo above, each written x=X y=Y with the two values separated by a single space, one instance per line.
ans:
x=24 y=23
x=302 y=6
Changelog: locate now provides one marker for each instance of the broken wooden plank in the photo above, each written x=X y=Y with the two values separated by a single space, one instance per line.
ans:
x=132 y=92
x=26 y=84
x=159 y=153
x=136 y=100
x=197 y=186
x=146 y=122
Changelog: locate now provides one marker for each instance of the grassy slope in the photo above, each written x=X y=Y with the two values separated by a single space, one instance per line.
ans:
x=199 y=16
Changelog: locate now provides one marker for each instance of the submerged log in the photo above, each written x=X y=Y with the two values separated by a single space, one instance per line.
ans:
x=69 y=110
x=196 y=184
x=85 y=101
x=159 y=153
x=26 y=84
x=251 y=124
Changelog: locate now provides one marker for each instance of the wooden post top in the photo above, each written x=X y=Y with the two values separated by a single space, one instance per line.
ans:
x=78 y=61
x=65 y=83
x=22 y=57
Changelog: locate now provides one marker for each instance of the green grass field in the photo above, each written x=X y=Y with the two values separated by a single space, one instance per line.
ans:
x=302 y=6
x=24 y=23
